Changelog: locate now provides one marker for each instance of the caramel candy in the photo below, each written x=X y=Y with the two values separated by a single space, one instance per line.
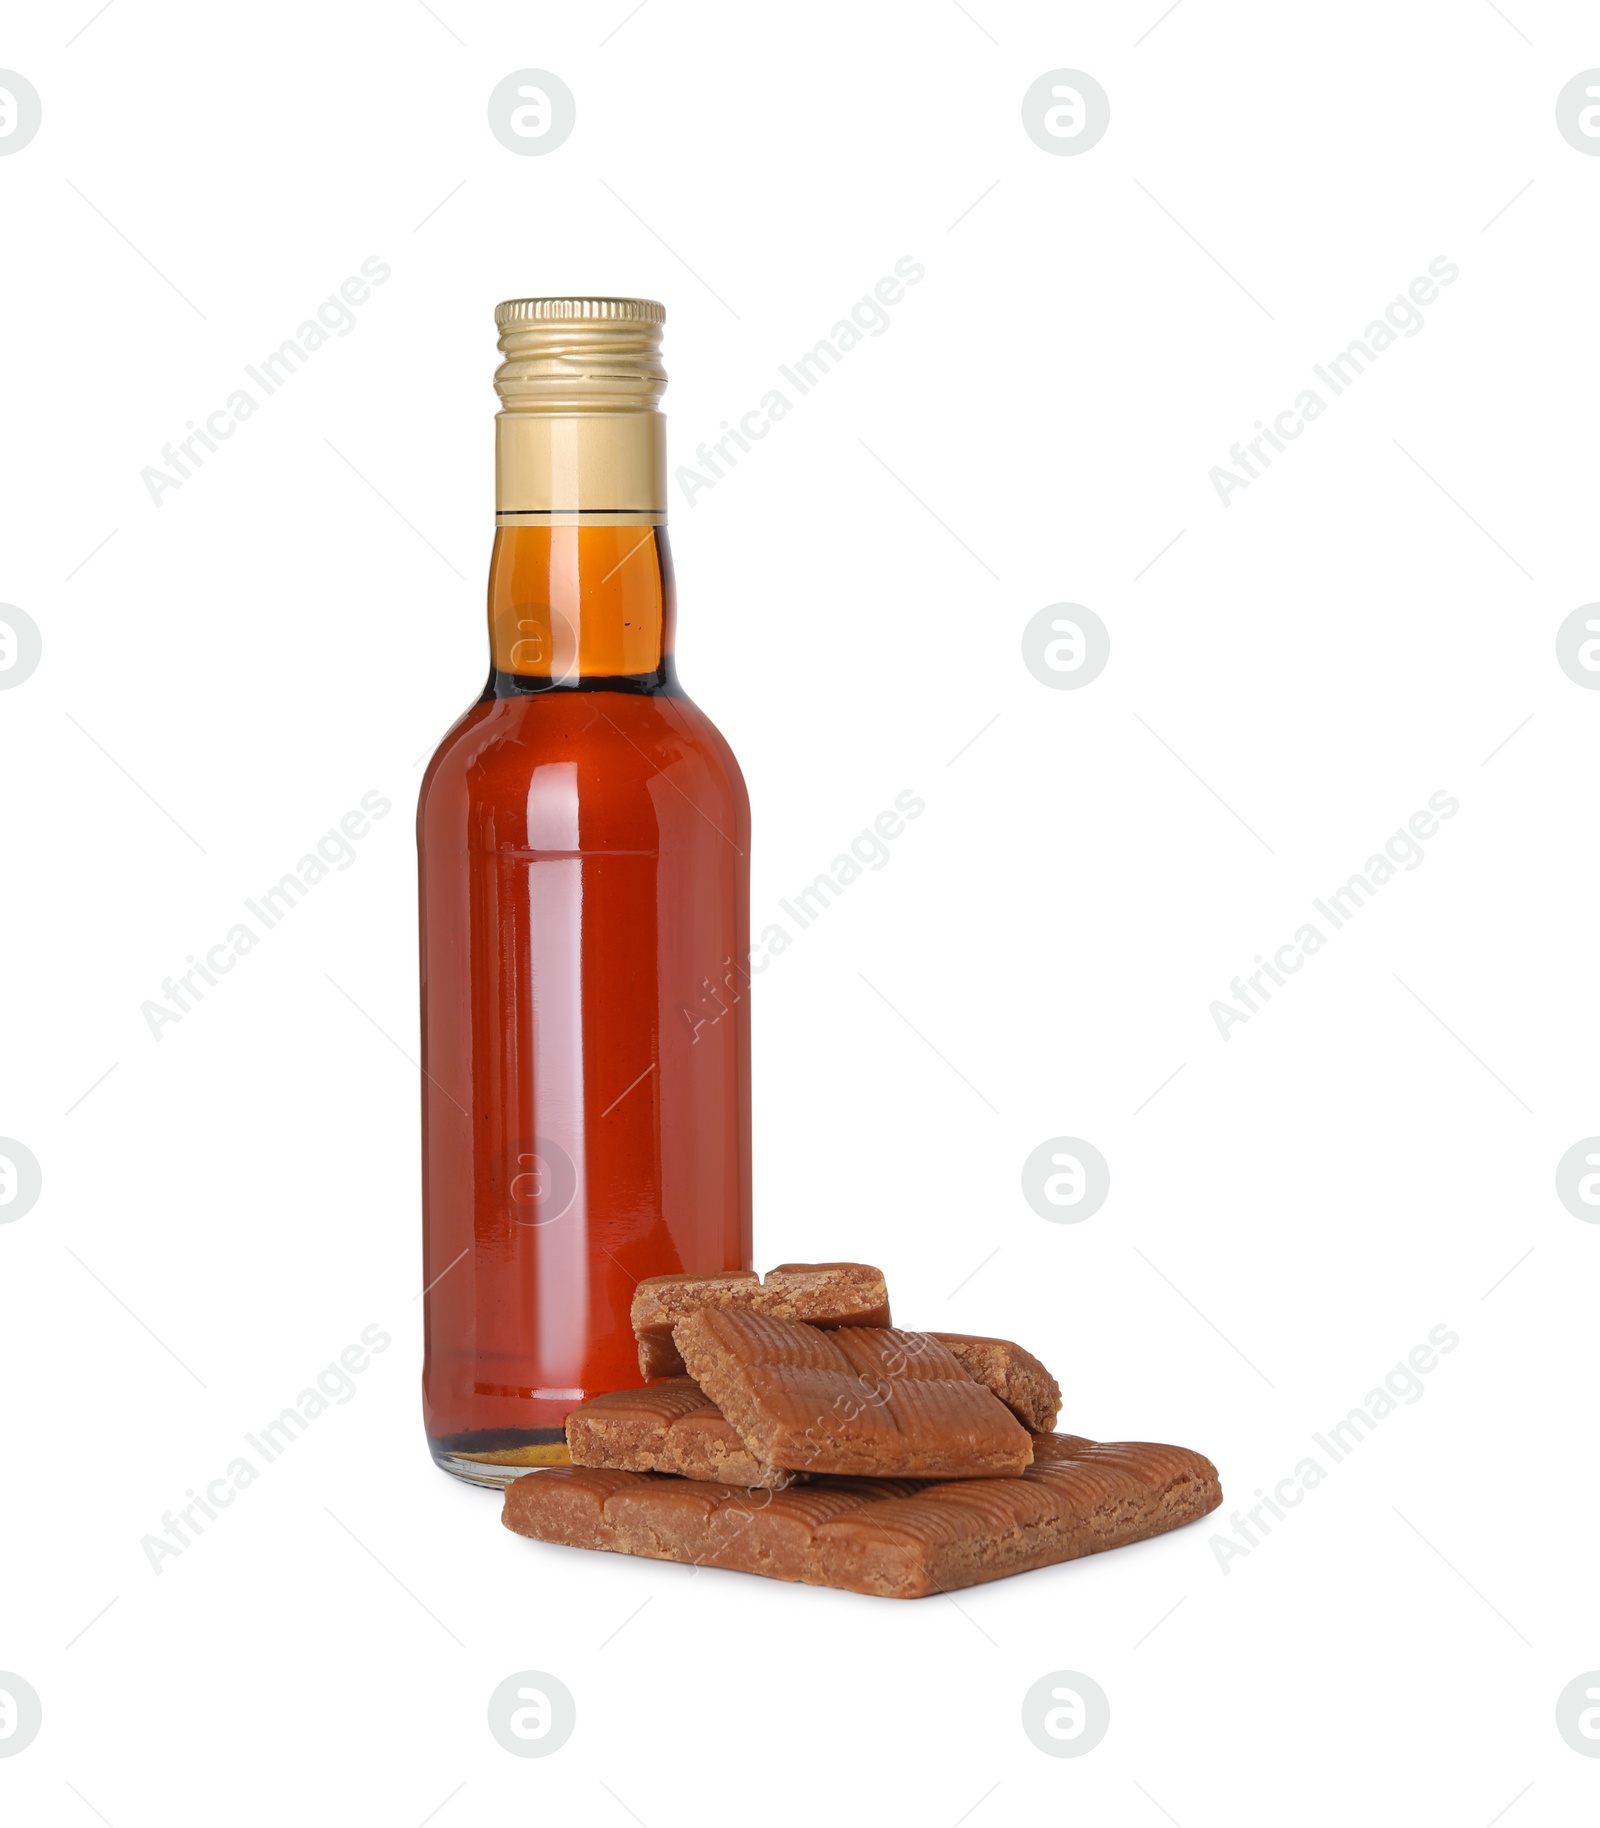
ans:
x=673 y=1427
x=894 y=1537
x=875 y=1401
x=825 y=1294
x=658 y=1301
x=1015 y=1376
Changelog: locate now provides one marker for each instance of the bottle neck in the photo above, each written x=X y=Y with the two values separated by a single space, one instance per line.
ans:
x=581 y=602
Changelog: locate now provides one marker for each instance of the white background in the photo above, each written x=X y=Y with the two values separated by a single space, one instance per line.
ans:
x=296 y=625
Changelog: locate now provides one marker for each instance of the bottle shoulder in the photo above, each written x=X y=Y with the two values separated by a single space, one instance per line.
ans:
x=627 y=766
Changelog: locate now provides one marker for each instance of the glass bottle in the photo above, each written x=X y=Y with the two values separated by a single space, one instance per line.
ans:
x=583 y=839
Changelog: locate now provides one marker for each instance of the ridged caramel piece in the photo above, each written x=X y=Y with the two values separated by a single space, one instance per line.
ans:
x=898 y=1538
x=1015 y=1376
x=869 y=1401
x=672 y=1427
x=823 y=1294
x=1052 y=1447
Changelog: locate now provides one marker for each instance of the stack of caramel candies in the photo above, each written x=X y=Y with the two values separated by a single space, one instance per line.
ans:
x=789 y=1429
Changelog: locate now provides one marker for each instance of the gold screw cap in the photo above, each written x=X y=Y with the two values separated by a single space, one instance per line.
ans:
x=580 y=355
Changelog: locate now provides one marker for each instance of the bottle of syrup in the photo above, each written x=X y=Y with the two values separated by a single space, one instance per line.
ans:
x=583 y=839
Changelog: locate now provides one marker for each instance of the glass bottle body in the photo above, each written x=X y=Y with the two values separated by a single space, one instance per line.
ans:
x=583 y=839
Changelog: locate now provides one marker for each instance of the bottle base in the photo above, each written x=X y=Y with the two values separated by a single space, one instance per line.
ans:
x=498 y=1456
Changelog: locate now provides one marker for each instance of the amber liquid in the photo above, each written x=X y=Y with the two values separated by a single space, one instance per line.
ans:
x=583 y=836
